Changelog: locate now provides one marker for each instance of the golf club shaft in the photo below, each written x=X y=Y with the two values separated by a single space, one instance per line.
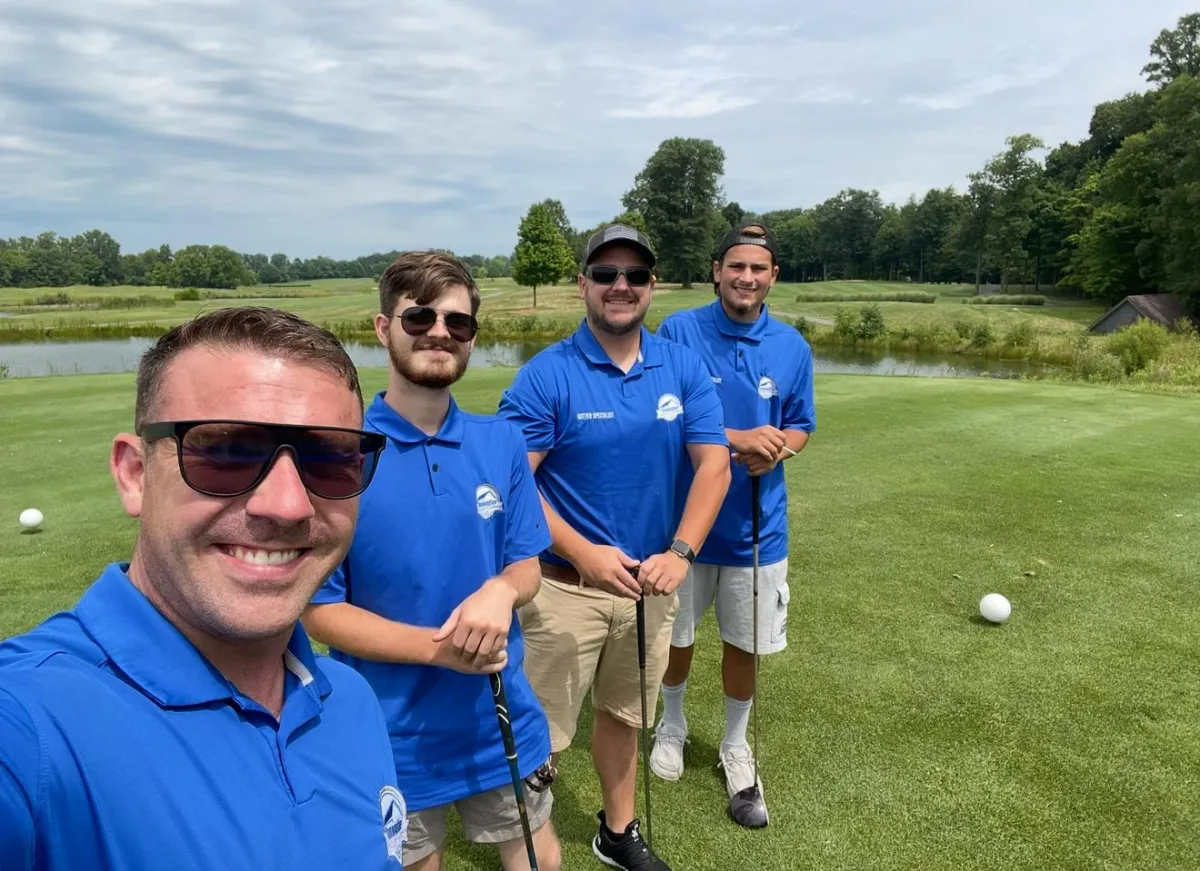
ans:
x=641 y=639
x=510 y=751
x=755 y=493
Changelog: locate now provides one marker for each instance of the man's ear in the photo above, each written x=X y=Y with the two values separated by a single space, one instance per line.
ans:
x=127 y=463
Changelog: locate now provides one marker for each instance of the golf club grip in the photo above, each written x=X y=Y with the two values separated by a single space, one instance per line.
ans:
x=641 y=632
x=510 y=752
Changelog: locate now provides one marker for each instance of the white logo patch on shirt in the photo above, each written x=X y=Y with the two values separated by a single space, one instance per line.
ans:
x=395 y=821
x=487 y=501
x=669 y=407
x=767 y=388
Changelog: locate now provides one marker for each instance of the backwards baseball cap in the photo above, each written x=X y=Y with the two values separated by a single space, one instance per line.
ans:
x=617 y=233
x=760 y=236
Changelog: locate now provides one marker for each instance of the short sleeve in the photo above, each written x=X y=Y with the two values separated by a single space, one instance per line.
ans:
x=19 y=762
x=703 y=414
x=335 y=586
x=531 y=404
x=799 y=410
x=527 y=533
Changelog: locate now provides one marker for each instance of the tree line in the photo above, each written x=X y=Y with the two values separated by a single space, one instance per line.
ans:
x=1109 y=215
x=94 y=258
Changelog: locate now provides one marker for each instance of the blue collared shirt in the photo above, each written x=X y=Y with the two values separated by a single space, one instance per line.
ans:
x=444 y=514
x=122 y=748
x=764 y=375
x=616 y=442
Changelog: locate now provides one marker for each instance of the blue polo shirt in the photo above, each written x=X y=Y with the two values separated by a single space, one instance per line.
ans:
x=442 y=515
x=763 y=372
x=616 y=442
x=122 y=747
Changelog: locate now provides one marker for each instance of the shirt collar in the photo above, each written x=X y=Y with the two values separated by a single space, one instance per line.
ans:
x=147 y=648
x=737 y=330
x=382 y=417
x=649 y=354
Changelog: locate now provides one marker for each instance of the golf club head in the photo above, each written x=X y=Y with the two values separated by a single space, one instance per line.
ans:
x=748 y=808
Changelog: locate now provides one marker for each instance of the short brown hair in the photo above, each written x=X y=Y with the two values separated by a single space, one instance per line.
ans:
x=258 y=328
x=424 y=276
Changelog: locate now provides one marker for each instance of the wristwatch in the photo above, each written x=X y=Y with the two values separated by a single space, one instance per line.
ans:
x=682 y=548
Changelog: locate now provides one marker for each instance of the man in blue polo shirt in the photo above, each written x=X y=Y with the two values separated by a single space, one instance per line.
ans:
x=613 y=417
x=763 y=371
x=445 y=551
x=177 y=717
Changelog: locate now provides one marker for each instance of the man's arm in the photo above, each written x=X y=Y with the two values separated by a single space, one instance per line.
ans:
x=663 y=573
x=708 y=448
x=368 y=635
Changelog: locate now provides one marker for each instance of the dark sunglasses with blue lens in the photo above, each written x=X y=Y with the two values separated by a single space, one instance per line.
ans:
x=231 y=457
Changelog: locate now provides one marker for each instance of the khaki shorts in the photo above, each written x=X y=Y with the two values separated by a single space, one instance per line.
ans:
x=488 y=818
x=579 y=639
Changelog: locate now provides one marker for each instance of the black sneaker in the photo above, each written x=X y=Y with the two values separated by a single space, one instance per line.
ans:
x=628 y=851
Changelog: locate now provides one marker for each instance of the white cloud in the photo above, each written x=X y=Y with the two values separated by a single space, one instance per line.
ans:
x=339 y=128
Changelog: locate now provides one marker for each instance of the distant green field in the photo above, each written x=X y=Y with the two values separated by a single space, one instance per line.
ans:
x=355 y=300
x=898 y=732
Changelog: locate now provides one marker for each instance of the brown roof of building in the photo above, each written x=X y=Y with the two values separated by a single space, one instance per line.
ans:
x=1163 y=308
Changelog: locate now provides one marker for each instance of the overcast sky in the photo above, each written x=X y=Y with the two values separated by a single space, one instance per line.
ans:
x=340 y=128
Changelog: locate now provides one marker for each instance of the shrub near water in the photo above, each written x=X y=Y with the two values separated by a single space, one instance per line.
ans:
x=1144 y=353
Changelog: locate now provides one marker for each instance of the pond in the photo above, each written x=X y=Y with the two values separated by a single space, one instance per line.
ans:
x=121 y=355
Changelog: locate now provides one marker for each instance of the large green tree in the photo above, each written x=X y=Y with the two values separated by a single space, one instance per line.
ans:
x=678 y=193
x=542 y=255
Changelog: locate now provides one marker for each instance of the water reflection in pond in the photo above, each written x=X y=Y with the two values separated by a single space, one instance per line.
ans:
x=122 y=355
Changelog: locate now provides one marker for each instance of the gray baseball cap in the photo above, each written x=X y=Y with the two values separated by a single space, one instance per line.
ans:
x=617 y=233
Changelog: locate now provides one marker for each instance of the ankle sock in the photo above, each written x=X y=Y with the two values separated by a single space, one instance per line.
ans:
x=673 y=704
x=737 y=717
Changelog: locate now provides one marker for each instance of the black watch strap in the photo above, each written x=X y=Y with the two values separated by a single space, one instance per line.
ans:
x=682 y=548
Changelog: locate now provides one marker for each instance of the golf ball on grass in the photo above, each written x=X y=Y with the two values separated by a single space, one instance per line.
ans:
x=31 y=518
x=994 y=608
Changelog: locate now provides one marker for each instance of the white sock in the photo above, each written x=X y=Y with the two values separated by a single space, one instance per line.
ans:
x=673 y=704
x=737 y=717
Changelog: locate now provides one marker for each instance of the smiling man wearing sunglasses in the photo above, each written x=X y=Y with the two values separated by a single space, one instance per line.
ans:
x=445 y=551
x=613 y=417
x=177 y=716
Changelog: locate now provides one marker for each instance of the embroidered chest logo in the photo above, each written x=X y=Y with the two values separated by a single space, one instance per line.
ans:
x=395 y=821
x=767 y=388
x=669 y=407
x=488 y=501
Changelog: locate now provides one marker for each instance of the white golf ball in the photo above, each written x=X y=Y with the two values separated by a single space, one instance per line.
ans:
x=31 y=518
x=995 y=608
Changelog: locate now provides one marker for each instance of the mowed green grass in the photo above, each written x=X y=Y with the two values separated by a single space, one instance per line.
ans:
x=898 y=731
x=339 y=300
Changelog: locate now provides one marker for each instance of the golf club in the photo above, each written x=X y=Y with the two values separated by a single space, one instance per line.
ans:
x=510 y=751
x=748 y=807
x=641 y=639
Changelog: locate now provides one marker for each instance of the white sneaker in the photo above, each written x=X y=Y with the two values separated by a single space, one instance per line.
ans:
x=738 y=763
x=666 y=757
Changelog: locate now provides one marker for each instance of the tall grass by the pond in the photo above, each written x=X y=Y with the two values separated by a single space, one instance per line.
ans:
x=900 y=296
x=1006 y=299
x=1144 y=353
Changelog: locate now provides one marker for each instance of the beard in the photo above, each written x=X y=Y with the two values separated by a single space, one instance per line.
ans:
x=615 y=328
x=434 y=377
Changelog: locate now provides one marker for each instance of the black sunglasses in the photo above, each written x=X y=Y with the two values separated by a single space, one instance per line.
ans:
x=231 y=457
x=419 y=320
x=637 y=276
